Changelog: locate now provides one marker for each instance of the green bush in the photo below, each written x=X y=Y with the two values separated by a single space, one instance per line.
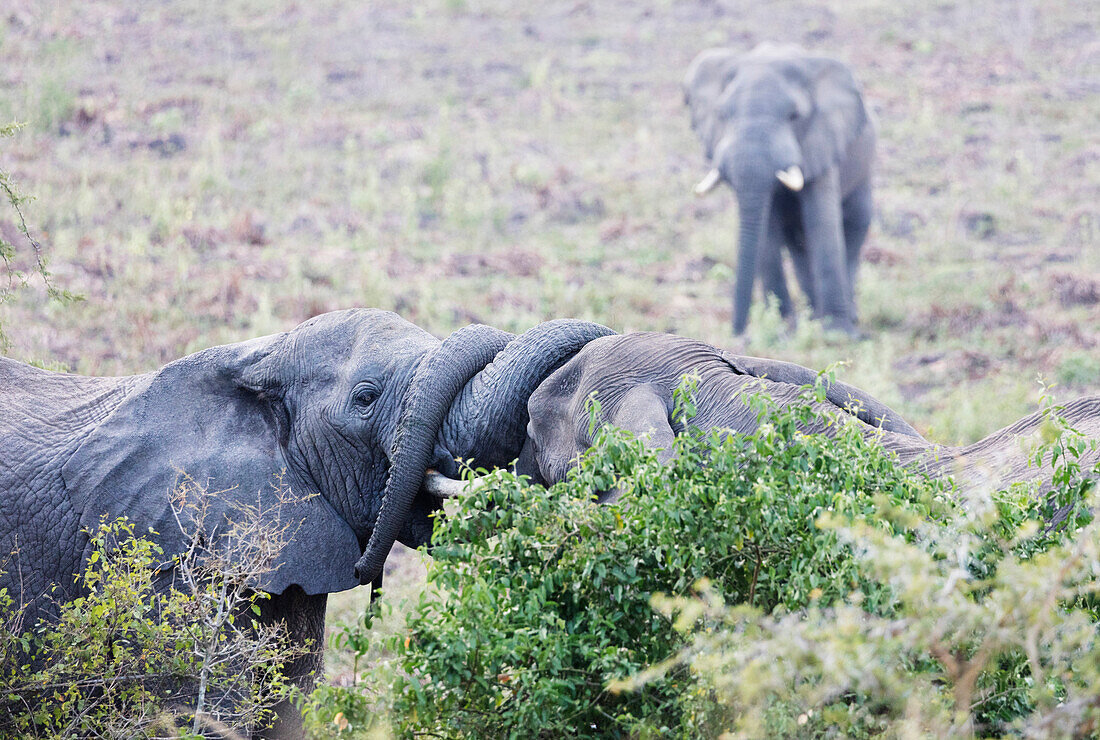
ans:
x=538 y=599
x=775 y=584
x=133 y=659
x=12 y=278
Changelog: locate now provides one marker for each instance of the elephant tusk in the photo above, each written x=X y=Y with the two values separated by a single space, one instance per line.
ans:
x=708 y=183
x=440 y=486
x=792 y=177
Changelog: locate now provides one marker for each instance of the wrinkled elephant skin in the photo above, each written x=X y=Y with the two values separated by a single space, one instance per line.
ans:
x=314 y=410
x=634 y=375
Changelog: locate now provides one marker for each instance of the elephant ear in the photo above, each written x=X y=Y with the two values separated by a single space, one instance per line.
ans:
x=847 y=398
x=838 y=117
x=211 y=422
x=644 y=410
x=708 y=76
x=558 y=430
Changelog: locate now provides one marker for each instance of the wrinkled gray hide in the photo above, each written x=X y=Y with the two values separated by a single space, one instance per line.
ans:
x=348 y=411
x=634 y=376
x=315 y=407
x=774 y=110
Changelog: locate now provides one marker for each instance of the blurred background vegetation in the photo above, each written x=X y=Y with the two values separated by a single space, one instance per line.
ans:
x=206 y=172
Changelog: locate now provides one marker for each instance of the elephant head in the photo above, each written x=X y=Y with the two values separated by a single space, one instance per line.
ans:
x=776 y=119
x=634 y=375
x=317 y=408
x=479 y=409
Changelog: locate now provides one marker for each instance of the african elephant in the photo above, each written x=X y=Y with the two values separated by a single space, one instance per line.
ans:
x=634 y=375
x=348 y=409
x=790 y=134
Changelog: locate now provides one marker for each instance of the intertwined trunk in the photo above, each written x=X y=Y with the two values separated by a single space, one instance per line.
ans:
x=436 y=383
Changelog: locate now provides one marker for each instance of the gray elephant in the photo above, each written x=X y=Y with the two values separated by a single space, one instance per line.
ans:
x=349 y=409
x=634 y=375
x=790 y=134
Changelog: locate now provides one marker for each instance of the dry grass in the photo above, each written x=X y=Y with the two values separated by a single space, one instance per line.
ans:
x=208 y=172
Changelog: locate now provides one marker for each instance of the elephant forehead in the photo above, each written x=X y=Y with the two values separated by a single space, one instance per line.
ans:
x=646 y=357
x=351 y=342
x=763 y=90
x=349 y=325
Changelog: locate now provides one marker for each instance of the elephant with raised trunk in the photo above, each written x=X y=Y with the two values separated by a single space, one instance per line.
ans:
x=790 y=134
x=348 y=410
x=634 y=375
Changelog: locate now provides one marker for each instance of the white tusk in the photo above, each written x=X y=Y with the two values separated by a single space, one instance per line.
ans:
x=441 y=486
x=708 y=183
x=792 y=177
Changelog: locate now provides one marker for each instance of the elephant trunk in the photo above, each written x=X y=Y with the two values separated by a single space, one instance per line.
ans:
x=434 y=386
x=862 y=405
x=755 y=160
x=754 y=203
x=488 y=420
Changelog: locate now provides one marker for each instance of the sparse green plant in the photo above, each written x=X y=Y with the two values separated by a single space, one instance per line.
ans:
x=1079 y=369
x=55 y=105
x=140 y=656
x=15 y=277
x=358 y=710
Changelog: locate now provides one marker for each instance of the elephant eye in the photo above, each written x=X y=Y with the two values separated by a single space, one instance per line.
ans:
x=365 y=394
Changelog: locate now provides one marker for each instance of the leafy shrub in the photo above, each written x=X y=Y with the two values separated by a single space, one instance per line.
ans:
x=538 y=599
x=774 y=584
x=12 y=278
x=358 y=711
x=994 y=631
x=133 y=658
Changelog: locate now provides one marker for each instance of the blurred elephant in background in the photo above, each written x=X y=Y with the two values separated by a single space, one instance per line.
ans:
x=634 y=376
x=790 y=134
x=346 y=411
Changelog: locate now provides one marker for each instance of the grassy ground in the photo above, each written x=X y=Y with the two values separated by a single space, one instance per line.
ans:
x=212 y=171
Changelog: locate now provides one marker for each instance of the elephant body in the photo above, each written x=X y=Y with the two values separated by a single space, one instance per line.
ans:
x=790 y=134
x=634 y=375
x=271 y=423
x=328 y=429
x=334 y=429
x=43 y=418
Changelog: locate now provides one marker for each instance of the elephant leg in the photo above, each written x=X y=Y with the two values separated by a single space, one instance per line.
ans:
x=825 y=242
x=770 y=265
x=303 y=616
x=794 y=236
x=856 y=211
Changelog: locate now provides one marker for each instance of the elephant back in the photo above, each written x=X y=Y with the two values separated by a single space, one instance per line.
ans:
x=43 y=417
